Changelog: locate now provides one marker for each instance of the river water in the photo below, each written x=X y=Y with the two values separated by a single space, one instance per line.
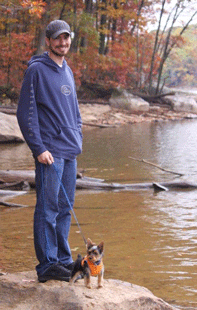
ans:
x=150 y=238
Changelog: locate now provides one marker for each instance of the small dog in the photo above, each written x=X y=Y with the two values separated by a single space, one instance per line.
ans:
x=90 y=265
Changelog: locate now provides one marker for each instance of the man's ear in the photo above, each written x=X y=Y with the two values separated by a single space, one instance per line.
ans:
x=47 y=41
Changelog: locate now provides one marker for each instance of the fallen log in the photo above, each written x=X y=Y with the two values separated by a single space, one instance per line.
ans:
x=22 y=185
x=84 y=183
x=100 y=125
x=159 y=187
x=173 y=185
x=28 y=176
x=154 y=98
x=146 y=96
x=94 y=184
x=11 y=176
x=11 y=205
x=90 y=101
x=11 y=193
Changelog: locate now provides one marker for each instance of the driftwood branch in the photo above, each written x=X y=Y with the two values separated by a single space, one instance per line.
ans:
x=12 y=205
x=84 y=184
x=154 y=165
x=22 y=185
x=92 y=183
x=156 y=98
x=11 y=193
x=87 y=101
x=99 y=125
x=159 y=187
x=153 y=97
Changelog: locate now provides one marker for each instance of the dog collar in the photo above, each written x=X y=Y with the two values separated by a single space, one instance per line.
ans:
x=95 y=268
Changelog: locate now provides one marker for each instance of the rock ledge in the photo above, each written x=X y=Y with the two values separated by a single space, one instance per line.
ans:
x=22 y=291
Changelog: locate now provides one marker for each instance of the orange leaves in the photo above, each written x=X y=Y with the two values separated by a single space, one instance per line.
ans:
x=77 y=66
x=15 y=53
x=177 y=40
x=34 y=7
x=110 y=46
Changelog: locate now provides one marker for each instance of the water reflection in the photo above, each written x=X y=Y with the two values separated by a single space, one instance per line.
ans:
x=150 y=238
x=176 y=147
x=174 y=227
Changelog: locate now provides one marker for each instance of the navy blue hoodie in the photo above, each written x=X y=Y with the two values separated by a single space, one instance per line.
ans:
x=48 y=112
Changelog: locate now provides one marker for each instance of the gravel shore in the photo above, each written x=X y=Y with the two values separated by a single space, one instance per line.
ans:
x=103 y=115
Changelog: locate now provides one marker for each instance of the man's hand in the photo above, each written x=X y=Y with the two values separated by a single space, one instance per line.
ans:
x=46 y=158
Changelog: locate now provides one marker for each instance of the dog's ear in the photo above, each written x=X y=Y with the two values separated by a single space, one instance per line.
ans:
x=101 y=246
x=89 y=243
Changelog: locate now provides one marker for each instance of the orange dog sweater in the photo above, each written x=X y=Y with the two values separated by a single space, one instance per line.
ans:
x=94 y=268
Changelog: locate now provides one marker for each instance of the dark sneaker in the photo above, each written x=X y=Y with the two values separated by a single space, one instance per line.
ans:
x=55 y=272
x=69 y=267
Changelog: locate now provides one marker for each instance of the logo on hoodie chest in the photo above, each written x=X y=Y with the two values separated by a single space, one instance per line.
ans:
x=66 y=90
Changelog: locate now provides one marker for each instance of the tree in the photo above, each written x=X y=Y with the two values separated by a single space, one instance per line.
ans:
x=180 y=68
x=112 y=43
x=164 y=40
x=17 y=43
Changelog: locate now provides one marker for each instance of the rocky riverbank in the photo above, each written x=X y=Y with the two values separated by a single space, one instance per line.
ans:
x=123 y=107
x=22 y=291
x=98 y=114
x=107 y=114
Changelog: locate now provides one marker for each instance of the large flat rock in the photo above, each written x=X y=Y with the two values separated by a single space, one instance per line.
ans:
x=22 y=291
x=183 y=103
x=123 y=99
x=9 y=129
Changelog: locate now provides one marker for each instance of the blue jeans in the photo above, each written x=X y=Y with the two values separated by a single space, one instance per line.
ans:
x=52 y=218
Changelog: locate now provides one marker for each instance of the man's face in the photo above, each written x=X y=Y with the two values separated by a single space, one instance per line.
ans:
x=59 y=46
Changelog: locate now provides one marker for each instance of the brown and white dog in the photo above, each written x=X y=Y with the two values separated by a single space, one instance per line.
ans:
x=90 y=265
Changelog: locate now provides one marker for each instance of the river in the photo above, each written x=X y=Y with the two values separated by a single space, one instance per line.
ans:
x=150 y=238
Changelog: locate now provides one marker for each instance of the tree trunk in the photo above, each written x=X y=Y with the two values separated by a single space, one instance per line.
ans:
x=155 y=48
x=40 y=39
x=102 y=35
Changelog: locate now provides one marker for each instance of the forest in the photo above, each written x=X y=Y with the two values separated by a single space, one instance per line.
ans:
x=180 y=68
x=131 y=44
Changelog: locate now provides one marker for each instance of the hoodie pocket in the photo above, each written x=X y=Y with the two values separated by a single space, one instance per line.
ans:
x=67 y=140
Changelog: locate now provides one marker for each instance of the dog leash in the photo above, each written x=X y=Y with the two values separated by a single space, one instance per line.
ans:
x=69 y=204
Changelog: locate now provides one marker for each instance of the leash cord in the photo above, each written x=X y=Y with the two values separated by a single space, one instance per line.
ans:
x=69 y=204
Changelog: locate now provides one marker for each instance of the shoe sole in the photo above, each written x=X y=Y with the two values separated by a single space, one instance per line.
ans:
x=47 y=278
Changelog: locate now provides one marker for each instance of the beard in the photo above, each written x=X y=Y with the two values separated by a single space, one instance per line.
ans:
x=59 y=54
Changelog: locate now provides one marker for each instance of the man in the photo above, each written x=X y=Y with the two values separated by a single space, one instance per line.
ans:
x=49 y=118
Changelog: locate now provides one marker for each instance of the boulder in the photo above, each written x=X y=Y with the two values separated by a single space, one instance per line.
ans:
x=92 y=112
x=123 y=99
x=183 y=103
x=22 y=291
x=9 y=129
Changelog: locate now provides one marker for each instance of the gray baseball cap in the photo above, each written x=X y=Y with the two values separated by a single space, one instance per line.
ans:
x=57 y=27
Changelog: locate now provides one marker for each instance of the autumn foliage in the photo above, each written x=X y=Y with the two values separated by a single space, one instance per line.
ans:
x=111 y=44
x=15 y=50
